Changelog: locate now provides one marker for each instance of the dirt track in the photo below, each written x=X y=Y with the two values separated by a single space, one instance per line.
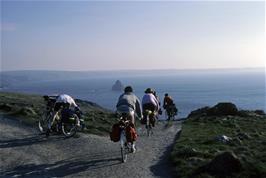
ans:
x=25 y=153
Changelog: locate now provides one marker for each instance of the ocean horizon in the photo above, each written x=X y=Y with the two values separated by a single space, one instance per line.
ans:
x=189 y=89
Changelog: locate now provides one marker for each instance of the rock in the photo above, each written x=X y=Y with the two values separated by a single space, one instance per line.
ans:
x=223 y=109
x=224 y=164
x=223 y=139
x=118 y=86
x=260 y=112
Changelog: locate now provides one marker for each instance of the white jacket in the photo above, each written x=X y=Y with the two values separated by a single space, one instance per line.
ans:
x=150 y=98
x=63 y=98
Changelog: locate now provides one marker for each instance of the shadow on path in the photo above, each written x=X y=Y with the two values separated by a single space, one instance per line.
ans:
x=26 y=141
x=60 y=168
x=164 y=167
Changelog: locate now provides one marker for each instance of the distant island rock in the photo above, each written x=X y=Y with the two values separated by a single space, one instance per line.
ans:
x=118 y=86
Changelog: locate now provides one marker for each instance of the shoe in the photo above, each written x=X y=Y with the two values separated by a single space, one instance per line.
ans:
x=133 y=150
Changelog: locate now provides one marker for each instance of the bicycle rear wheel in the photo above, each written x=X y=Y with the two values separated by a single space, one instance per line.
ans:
x=123 y=154
x=69 y=128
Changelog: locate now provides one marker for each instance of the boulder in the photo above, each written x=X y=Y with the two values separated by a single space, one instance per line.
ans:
x=260 y=112
x=223 y=109
x=224 y=164
x=118 y=86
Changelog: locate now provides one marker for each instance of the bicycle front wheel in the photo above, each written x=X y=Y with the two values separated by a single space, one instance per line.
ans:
x=43 y=122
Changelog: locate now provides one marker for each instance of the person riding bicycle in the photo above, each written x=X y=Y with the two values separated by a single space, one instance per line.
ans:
x=150 y=102
x=168 y=105
x=129 y=103
x=66 y=102
x=158 y=99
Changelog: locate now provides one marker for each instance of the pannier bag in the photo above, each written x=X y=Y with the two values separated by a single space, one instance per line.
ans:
x=67 y=115
x=115 y=133
x=131 y=134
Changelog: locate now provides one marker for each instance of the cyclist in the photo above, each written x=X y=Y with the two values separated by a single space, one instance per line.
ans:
x=63 y=101
x=158 y=99
x=129 y=103
x=168 y=105
x=150 y=102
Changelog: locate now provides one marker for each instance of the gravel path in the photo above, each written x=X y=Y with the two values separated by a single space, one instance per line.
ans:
x=25 y=153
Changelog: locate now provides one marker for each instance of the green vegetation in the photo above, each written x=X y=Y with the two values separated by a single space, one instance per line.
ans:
x=198 y=144
x=29 y=108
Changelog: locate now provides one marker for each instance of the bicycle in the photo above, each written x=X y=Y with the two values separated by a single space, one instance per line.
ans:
x=125 y=146
x=149 y=120
x=171 y=112
x=67 y=126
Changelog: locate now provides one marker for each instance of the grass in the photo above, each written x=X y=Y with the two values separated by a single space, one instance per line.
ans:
x=29 y=109
x=197 y=145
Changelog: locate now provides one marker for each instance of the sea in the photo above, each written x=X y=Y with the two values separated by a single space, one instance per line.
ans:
x=190 y=89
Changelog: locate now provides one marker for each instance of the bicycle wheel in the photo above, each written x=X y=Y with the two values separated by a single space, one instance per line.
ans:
x=43 y=122
x=69 y=128
x=148 y=126
x=123 y=154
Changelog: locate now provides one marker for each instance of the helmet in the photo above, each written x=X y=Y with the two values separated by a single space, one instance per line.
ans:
x=166 y=94
x=148 y=90
x=128 y=89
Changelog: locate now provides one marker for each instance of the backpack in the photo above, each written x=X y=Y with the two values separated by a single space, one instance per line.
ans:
x=131 y=134
x=115 y=133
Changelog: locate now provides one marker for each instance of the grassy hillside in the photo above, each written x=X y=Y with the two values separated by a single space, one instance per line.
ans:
x=29 y=108
x=202 y=139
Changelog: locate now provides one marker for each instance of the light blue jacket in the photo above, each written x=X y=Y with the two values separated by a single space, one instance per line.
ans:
x=128 y=102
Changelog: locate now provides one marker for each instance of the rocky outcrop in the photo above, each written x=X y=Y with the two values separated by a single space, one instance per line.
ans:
x=118 y=86
x=221 y=109
x=223 y=165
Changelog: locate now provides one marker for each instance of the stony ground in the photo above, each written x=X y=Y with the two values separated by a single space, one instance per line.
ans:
x=25 y=153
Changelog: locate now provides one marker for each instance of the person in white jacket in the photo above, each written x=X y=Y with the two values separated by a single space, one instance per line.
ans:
x=62 y=101
x=149 y=101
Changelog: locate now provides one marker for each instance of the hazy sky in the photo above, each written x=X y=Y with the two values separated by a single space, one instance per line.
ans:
x=68 y=35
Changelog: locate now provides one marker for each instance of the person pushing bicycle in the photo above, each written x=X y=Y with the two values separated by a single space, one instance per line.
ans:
x=62 y=101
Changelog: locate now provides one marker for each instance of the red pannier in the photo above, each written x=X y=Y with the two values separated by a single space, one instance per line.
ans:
x=131 y=134
x=115 y=133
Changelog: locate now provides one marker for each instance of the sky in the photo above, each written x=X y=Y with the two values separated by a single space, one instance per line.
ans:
x=85 y=35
